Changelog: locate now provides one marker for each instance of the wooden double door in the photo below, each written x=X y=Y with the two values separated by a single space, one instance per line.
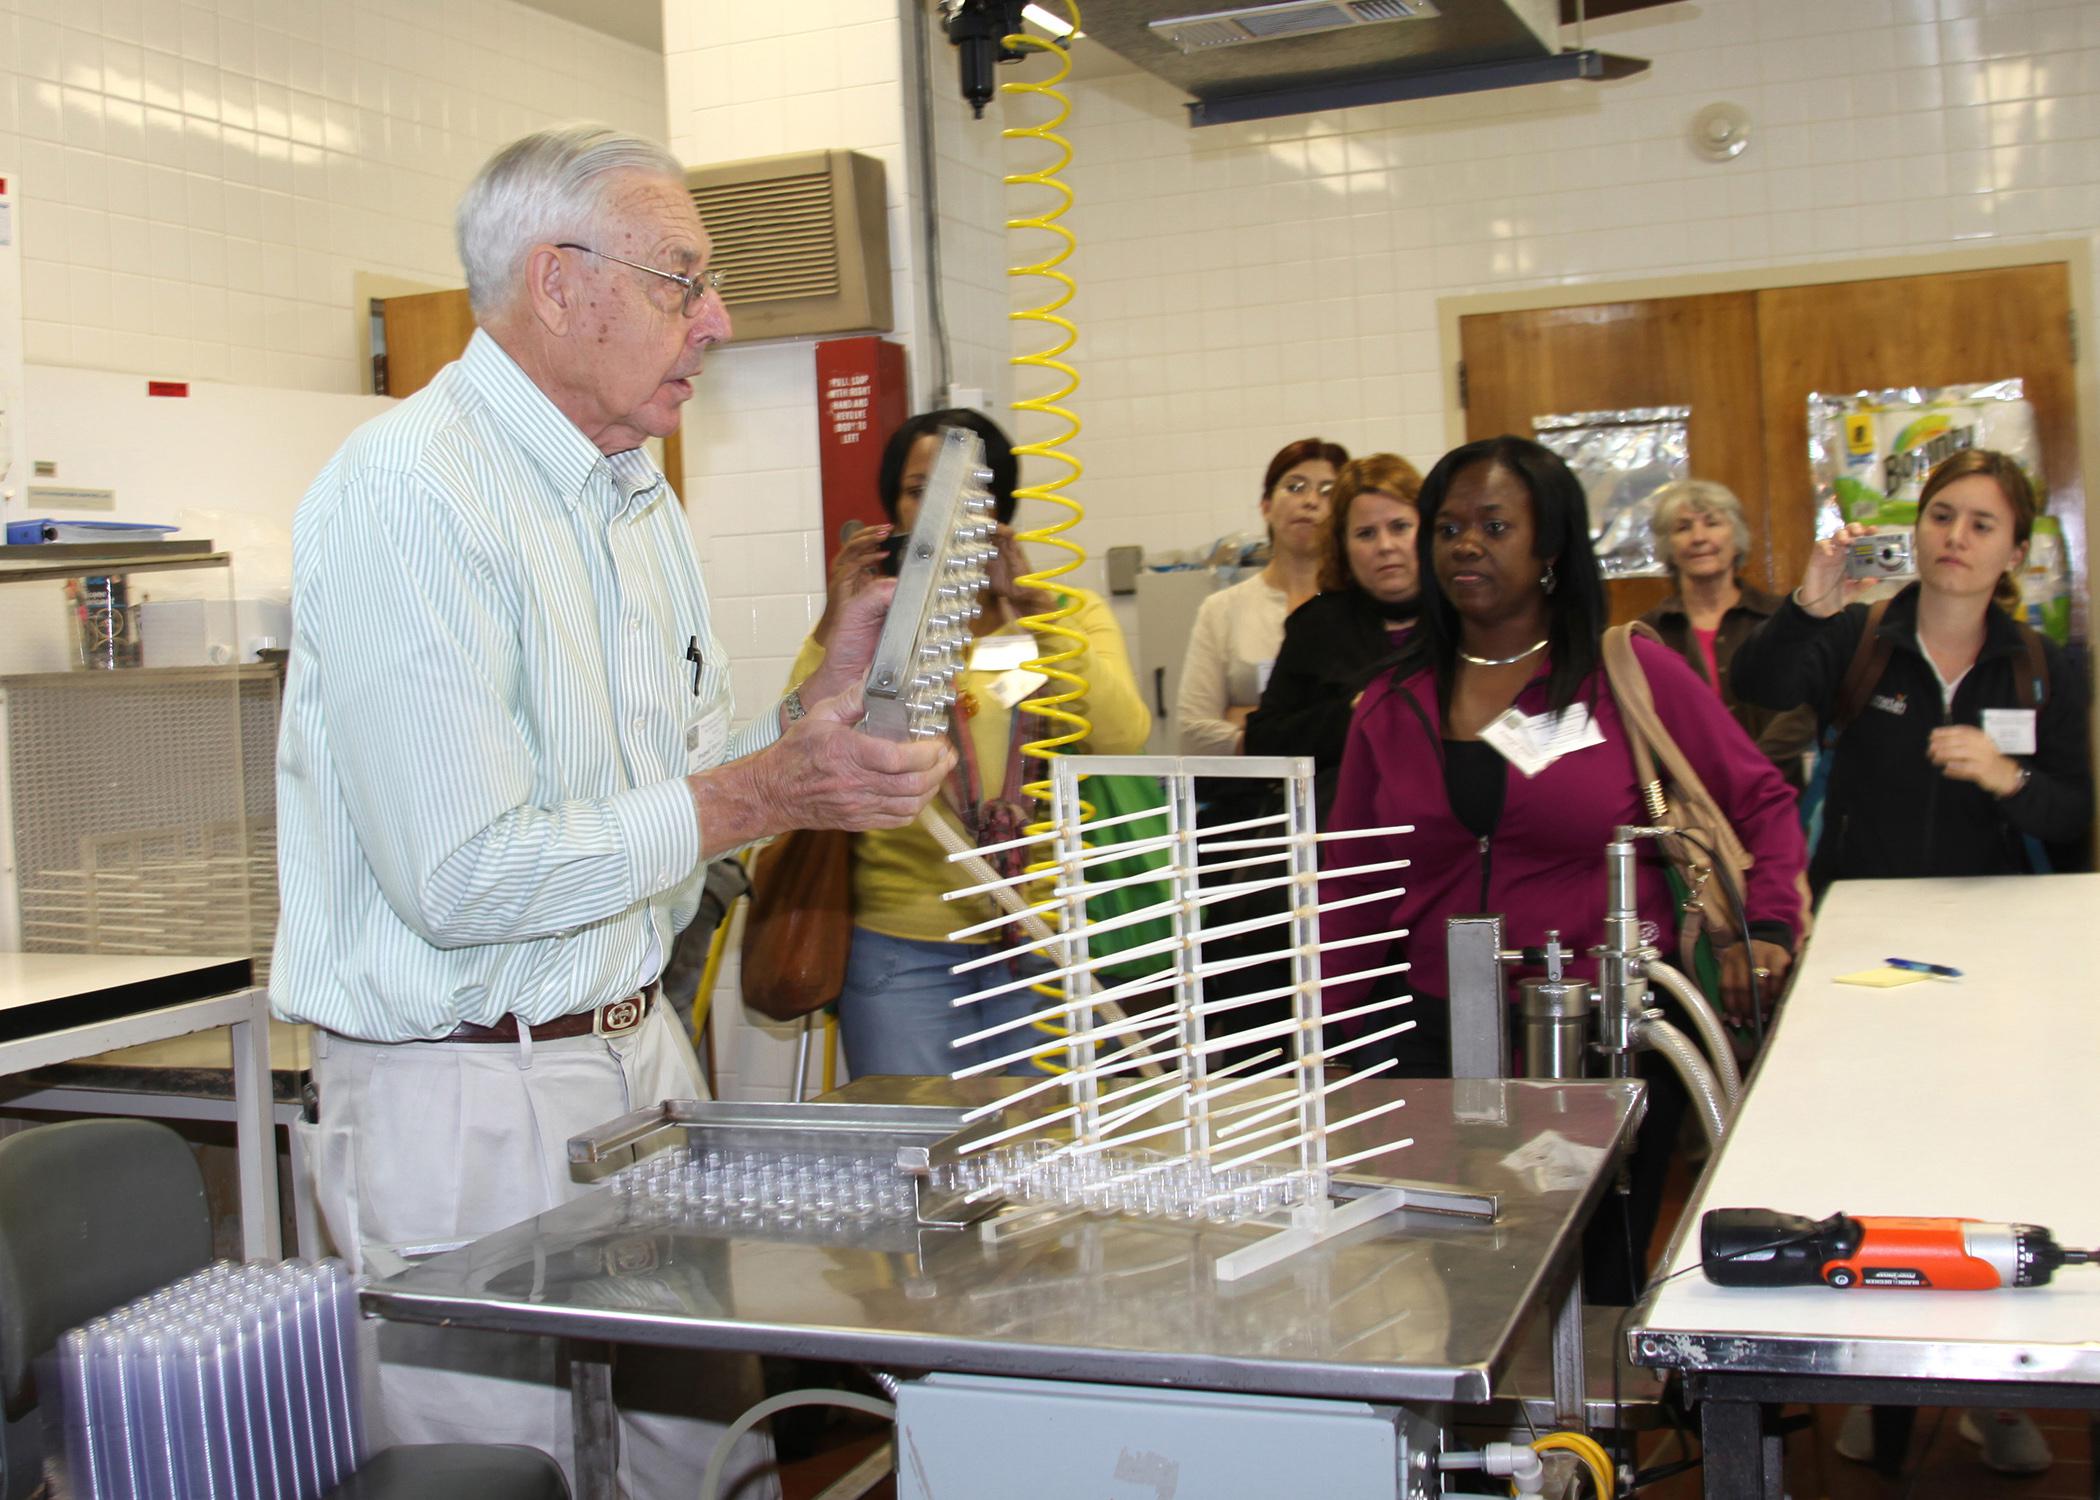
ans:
x=1745 y=363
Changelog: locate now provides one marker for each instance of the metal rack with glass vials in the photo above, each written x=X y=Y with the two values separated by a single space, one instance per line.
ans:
x=926 y=640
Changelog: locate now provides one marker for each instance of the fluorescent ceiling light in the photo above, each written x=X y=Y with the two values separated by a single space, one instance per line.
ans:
x=1055 y=24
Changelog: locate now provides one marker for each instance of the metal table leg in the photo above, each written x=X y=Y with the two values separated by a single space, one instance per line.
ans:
x=597 y=1423
x=1743 y=1460
x=1892 y=1427
x=255 y=1131
x=1571 y=1388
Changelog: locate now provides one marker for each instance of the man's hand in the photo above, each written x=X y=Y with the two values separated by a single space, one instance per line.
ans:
x=1965 y=753
x=1772 y=963
x=855 y=632
x=822 y=773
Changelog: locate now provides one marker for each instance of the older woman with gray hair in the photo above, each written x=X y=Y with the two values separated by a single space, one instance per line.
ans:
x=1701 y=535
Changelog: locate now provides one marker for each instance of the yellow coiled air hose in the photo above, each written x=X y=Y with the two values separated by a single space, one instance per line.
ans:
x=1060 y=713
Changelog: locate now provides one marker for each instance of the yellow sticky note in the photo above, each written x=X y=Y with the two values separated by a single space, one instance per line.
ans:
x=1883 y=979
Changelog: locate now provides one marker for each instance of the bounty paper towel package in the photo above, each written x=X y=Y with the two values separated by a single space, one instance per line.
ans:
x=1871 y=451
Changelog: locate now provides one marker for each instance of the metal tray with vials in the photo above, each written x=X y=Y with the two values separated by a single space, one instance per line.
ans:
x=925 y=1143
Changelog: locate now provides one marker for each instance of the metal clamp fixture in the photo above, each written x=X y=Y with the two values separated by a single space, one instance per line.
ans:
x=925 y=641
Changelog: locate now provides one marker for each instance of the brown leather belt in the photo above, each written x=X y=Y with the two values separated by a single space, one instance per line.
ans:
x=614 y=1018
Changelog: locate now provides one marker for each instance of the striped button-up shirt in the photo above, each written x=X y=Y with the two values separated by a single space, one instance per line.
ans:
x=490 y=713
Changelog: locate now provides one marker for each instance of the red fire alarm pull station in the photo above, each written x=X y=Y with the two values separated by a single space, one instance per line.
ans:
x=861 y=400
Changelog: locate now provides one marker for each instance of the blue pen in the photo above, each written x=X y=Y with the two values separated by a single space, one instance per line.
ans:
x=1918 y=966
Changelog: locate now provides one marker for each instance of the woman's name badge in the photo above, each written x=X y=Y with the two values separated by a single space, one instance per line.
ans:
x=1532 y=742
x=2010 y=729
x=1002 y=653
x=1009 y=688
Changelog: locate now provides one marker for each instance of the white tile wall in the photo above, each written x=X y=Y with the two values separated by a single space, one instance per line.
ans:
x=202 y=181
x=1245 y=285
x=744 y=81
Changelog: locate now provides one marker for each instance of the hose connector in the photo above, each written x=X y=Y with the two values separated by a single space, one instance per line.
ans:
x=1520 y=1465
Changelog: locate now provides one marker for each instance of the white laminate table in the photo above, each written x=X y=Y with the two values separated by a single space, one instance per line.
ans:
x=1973 y=1098
x=56 y=1007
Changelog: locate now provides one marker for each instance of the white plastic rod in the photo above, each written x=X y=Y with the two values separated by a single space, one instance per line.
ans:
x=1107 y=924
x=1085 y=828
x=1143 y=1021
x=1129 y=1060
x=1333 y=1128
x=1290 y=1102
x=1220 y=1007
x=1167 y=908
x=1335 y=1163
x=1365 y=1041
x=1317 y=838
x=1275 y=1029
x=1129 y=1027
x=1040 y=911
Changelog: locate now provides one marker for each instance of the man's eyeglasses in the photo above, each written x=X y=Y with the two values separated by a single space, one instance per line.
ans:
x=695 y=286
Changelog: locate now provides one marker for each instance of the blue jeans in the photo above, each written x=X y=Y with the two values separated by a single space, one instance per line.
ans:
x=895 y=1016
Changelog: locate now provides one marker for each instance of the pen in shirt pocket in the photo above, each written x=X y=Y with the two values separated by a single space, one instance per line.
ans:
x=692 y=654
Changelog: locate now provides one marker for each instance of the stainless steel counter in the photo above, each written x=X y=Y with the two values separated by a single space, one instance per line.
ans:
x=1414 y=1307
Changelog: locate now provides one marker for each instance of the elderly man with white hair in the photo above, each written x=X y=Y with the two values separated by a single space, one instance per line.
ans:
x=506 y=759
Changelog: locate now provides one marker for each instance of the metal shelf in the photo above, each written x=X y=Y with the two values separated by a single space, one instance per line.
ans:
x=97 y=677
x=45 y=562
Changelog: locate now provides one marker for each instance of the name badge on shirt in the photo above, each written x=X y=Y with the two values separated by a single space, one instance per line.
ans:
x=1002 y=653
x=1532 y=742
x=2010 y=729
x=705 y=740
x=1009 y=688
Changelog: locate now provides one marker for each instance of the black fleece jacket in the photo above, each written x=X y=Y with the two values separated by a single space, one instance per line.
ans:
x=1889 y=811
x=1332 y=646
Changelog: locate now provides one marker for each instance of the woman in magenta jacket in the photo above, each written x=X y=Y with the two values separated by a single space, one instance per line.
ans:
x=1512 y=616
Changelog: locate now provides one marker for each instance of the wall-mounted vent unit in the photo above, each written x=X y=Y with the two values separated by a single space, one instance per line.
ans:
x=1263 y=23
x=802 y=242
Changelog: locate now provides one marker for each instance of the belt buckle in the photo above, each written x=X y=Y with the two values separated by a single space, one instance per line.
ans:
x=617 y=1017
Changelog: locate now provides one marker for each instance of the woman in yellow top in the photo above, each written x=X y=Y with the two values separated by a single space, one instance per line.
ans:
x=894 y=1011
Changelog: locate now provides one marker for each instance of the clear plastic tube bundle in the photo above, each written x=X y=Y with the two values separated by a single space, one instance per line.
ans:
x=237 y=1383
x=754 y=1187
x=1125 y=1181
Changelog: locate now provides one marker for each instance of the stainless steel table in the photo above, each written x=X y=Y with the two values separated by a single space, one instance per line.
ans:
x=1970 y=1097
x=1414 y=1307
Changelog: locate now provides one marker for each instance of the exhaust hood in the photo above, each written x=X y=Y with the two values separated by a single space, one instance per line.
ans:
x=1256 y=61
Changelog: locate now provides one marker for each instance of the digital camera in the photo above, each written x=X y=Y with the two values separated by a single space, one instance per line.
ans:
x=1885 y=554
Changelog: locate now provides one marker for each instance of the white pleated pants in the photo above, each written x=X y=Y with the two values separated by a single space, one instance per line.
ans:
x=427 y=1143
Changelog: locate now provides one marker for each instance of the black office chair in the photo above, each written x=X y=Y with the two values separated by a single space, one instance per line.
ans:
x=94 y=1213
